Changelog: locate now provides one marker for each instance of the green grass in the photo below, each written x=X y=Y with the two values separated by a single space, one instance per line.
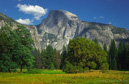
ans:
x=58 y=77
x=40 y=71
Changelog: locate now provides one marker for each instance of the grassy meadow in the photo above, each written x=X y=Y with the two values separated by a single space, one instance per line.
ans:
x=58 y=77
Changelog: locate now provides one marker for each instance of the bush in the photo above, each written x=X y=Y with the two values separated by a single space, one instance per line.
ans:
x=69 y=68
x=86 y=68
x=104 y=66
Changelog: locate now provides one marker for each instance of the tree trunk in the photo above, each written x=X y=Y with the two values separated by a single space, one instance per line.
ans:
x=9 y=70
x=21 y=69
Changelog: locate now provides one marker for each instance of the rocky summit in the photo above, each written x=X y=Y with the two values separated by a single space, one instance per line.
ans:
x=60 y=26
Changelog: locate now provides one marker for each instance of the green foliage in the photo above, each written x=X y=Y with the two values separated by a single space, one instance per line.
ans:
x=96 y=40
x=25 y=48
x=25 y=37
x=24 y=57
x=83 y=53
x=43 y=58
x=69 y=68
x=120 y=60
x=15 y=48
x=57 y=59
x=123 y=56
x=104 y=66
x=37 y=56
x=8 y=43
x=105 y=48
x=63 y=57
x=113 y=56
x=48 y=58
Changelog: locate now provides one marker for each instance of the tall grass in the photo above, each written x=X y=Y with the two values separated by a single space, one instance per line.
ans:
x=58 y=77
x=40 y=71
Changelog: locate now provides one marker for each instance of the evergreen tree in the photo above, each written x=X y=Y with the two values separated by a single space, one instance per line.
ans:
x=127 y=57
x=96 y=40
x=113 y=56
x=25 y=48
x=25 y=37
x=8 y=43
x=15 y=48
x=50 y=57
x=37 y=56
x=63 y=57
x=105 y=48
x=24 y=57
x=57 y=60
x=120 y=56
x=44 y=58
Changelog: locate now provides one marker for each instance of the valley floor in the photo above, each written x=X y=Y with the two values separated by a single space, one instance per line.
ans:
x=59 y=77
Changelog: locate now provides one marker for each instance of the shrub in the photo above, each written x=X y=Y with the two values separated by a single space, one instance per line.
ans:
x=69 y=68
x=104 y=66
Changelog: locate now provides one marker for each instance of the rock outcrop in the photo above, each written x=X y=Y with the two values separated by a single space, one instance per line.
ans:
x=60 y=26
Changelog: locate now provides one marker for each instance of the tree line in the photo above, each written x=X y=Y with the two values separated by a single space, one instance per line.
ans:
x=81 y=54
x=48 y=58
x=118 y=57
x=16 y=51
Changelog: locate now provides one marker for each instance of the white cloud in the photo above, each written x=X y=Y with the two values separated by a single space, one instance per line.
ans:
x=109 y=22
x=24 y=21
x=36 y=11
x=5 y=10
x=94 y=17
x=100 y=17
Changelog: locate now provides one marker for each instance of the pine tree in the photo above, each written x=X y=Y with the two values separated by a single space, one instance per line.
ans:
x=8 y=43
x=96 y=40
x=15 y=48
x=37 y=56
x=44 y=58
x=120 y=55
x=112 y=56
x=50 y=57
x=63 y=57
x=105 y=48
x=57 y=60
x=25 y=48
x=127 y=58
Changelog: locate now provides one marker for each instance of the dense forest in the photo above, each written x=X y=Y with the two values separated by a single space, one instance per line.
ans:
x=16 y=51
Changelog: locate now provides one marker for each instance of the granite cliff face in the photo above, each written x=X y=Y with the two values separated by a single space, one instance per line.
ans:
x=60 y=26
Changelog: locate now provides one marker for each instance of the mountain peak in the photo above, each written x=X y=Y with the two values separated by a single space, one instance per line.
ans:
x=69 y=15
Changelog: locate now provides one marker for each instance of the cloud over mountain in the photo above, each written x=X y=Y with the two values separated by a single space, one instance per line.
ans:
x=24 y=21
x=35 y=10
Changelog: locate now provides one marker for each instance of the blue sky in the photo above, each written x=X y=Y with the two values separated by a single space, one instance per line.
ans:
x=115 y=12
